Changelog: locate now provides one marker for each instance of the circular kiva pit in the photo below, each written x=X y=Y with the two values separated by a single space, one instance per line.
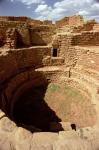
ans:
x=53 y=106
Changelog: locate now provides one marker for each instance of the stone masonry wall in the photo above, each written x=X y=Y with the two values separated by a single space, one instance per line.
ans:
x=76 y=20
x=86 y=38
x=63 y=42
x=27 y=35
x=42 y=35
x=72 y=20
x=96 y=27
x=22 y=58
x=21 y=28
x=20 y=64
x=87 y=26
x=2 y=36
x=11 y=38
x=47 y=22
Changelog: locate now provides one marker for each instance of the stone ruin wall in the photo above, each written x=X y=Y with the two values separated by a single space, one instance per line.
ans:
x=23 y=61
x=24 y=19
x=63 y=42
x=42 y=35
x=20 y=34
x=20 y=59
x=96 y=27
x=76 y=24
x=13 y=18
x=72 y=20
x=87 y=26
x=20 y=74
x=37 y=33
x=20 y=70
x=86 y=39
x=15 y=27
x=26 y=35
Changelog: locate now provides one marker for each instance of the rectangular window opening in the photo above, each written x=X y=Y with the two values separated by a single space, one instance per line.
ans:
x=55 y=52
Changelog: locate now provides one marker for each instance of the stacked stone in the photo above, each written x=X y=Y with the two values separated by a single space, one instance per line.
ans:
x=2 y=37
x=72 y=20
x=55 y=42
x=90 y=38
x=96 y=27
x=11 y=37
x=47 y=22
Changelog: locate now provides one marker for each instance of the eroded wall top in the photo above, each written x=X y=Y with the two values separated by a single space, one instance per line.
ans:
x=72 y=20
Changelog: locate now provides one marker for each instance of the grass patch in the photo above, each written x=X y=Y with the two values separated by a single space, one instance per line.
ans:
x=54 y=88
x=73 y=93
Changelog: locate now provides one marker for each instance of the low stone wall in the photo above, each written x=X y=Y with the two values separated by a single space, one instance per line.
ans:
x=96 y=27
x=86 y=39
x=20 y=59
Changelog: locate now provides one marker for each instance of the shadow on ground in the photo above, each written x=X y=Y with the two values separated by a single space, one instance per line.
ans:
x=32 y=111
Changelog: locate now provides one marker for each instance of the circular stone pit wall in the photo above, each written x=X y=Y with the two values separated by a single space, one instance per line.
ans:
x=40 y=100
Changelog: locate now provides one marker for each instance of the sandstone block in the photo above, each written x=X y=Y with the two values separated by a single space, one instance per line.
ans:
x=44 y=137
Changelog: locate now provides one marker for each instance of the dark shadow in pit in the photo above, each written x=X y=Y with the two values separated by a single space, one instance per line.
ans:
x=33 y=113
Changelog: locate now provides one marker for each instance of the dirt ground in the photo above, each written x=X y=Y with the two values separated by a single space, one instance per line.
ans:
x=70 y=104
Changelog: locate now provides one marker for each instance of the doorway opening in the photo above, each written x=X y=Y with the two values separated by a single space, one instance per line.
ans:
x=54 y=52
x=73 y=126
